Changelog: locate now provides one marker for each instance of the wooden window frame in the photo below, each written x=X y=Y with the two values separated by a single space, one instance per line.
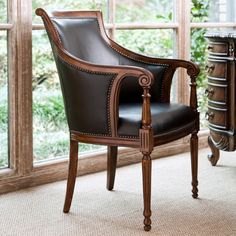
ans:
x=22 y=172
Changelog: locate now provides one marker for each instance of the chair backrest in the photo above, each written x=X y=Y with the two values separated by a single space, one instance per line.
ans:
x=83 y=35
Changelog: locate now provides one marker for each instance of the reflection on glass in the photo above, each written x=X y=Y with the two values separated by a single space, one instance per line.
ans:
x=3 y=11
x=69 y=5
x=3 y=101
x=213 y=11
x=151 y=42
x=144 y=11
x=50 y=130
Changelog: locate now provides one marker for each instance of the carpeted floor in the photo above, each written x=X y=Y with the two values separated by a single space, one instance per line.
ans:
x=95 y=211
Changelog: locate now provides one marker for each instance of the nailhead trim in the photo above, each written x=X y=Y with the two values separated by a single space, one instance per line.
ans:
x=106 y=73
x=108 y=93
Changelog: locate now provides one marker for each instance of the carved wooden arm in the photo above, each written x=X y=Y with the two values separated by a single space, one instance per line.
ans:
x=144 y=77
x=172 y=64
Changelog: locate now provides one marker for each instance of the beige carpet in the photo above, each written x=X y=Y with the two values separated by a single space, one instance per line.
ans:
x=95 y=211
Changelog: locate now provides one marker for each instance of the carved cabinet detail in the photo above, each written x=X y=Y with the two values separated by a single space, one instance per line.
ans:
x=220 y=92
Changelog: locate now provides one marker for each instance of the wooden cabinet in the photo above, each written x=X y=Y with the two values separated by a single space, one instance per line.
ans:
x=221 y=114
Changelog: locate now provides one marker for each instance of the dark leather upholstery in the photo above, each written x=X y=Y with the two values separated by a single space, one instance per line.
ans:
x=86 y=95
x=86 y=98
x=165 y=117
x=82 y=38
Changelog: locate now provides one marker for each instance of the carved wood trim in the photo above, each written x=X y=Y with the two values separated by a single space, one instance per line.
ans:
x=146 y=140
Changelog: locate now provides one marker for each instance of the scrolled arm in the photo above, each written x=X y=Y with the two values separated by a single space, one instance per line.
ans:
x=144 y=78
x=192 y=71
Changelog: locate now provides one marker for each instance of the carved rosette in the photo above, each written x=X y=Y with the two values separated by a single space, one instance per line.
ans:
x=193 y=70
x=145 y=81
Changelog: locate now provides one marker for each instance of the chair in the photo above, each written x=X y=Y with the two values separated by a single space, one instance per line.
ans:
x=116 y=97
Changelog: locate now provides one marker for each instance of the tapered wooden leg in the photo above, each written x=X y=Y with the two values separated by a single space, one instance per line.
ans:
x=111 y=166
x=215 y=153
x=147 y=172
x=194 y=163
x=73 y=162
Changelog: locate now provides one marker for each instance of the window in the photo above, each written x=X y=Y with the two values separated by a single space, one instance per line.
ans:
x=144 y=11
x=32 y=119
x=3 y=87
x=3 y=100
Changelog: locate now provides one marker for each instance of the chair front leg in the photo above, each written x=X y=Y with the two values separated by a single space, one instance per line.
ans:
x=147 y=174
x=146 y=147
x=194 y=163
x=111 y=166
x=73 y=162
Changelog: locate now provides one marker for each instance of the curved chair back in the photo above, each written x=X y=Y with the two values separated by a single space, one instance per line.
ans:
x=82 y=35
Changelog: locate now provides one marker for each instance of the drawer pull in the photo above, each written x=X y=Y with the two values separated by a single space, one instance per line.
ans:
x=209 y=68
x=209 y=92
x=210 y=47
x=209 y=116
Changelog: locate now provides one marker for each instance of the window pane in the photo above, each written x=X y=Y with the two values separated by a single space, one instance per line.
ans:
x=50 y=130
x=70 y=5
x=3 y=101
x=213 y=11
x=3 y=11
x=151 y=42
x=144 y=11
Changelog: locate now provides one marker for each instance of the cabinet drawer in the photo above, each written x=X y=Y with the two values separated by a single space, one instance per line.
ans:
x=216 y=68
x=217 y=93
x=218 y=48
x=217 y=117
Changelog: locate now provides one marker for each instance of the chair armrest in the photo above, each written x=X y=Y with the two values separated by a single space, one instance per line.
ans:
x=144 y=77
x=171 y=64
x=73 y=66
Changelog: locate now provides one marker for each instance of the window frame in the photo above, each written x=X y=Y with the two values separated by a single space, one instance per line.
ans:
x=22 y=173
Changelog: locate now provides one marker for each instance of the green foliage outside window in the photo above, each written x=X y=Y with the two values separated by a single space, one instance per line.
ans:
x=3 y=99
x=200 y=13
x=144 y=11
x=3 y=11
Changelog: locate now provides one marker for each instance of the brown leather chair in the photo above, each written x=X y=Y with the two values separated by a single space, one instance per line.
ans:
x=116 y=97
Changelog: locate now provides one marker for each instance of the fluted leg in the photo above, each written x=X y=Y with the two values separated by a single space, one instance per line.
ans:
x=147 y=172
x=111 y=166
x=73 y=162
x=194 y=163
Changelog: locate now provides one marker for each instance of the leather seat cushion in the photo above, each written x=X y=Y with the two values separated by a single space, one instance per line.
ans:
x=165 y=118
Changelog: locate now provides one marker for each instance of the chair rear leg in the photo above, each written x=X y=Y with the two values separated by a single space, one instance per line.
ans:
x=73 y=162
x=147 y=173
x=111 y=166
x=194 y=163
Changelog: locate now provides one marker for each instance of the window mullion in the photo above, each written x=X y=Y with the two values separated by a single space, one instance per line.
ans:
x=12 y=83
x=24 y=87
x=183 y=46
x=111 y=18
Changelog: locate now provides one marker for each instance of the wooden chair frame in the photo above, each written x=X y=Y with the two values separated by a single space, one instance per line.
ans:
x=146 y=140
